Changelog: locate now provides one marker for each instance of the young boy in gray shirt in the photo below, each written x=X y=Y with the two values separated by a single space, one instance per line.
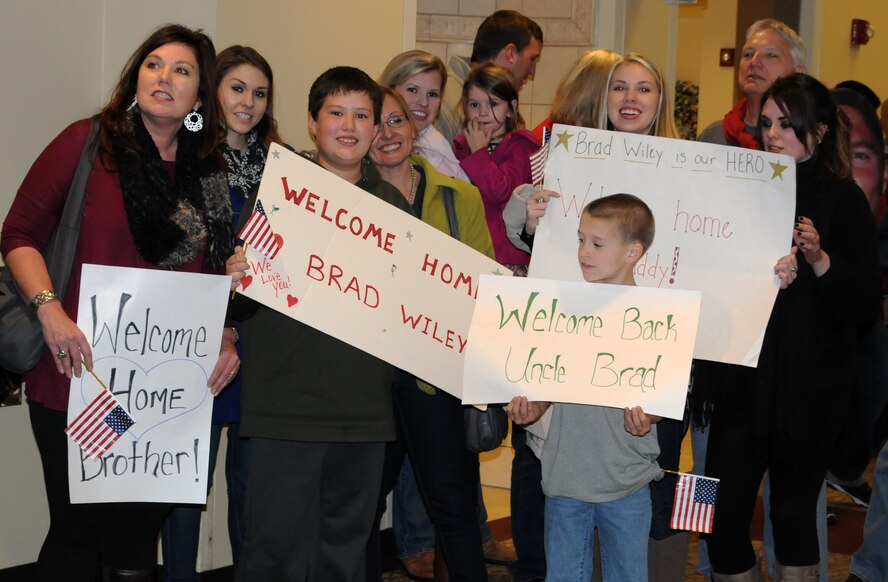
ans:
x=597 y=461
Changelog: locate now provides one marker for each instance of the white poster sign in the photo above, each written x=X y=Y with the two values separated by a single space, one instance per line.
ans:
x=155 y=337
x=724 y=216
x=365 y=272
x=585 y=343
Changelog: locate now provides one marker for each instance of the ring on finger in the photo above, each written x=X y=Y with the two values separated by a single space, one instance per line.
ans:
x=62 y=354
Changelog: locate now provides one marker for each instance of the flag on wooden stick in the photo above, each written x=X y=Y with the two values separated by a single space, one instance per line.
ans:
x=258 y=234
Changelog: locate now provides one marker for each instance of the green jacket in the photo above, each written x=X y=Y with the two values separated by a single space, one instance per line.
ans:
x=467 y=201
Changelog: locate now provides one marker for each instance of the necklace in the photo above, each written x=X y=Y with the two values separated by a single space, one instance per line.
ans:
x=413 y=182
x=245 y=167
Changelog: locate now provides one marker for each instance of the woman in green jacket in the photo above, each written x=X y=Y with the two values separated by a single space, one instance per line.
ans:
x=430 y=421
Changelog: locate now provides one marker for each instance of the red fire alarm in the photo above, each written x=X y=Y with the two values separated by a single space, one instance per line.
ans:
x=726 y=57
x=861 y=31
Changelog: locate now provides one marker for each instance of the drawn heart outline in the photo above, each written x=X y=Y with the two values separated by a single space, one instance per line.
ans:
x=102 y=367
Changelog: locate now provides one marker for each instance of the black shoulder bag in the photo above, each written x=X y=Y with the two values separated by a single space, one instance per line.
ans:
x=485 y=429
x=21 y=336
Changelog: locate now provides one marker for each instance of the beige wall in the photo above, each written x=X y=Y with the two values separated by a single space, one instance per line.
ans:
x=839 y=60
x=303 y=39
x=651 y=29
x=703 y=30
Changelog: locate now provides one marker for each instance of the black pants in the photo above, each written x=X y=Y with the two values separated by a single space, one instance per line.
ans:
x=734 y=457
x=432 y=430
x=84 y=537
x=309 y=510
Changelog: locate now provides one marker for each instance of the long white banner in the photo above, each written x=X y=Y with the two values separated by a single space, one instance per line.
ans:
x=365 y=272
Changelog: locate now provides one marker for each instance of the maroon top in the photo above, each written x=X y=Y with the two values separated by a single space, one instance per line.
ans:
x=496 y=175
x=105 y=237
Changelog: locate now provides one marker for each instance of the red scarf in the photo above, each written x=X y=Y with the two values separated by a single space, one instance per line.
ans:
x=735 y=128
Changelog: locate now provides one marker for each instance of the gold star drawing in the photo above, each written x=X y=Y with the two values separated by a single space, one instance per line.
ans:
x=276 y=154
x=563 y=139
x=778 y=170
x=409 y=235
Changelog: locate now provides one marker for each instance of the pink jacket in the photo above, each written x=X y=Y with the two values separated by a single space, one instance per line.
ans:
x=496 y=175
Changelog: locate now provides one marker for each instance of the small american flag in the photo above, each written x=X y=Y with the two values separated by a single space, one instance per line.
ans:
x=258 y=234
x=99 y=426
x=538 y=159
x=694 y=506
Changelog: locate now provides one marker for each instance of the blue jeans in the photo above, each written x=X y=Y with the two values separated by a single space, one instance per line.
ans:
x=870 y=562
x=180 y=534
x=413 y=530
x=623 y=527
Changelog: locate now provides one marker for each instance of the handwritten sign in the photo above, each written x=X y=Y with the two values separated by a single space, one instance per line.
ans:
x=155 y=337
x=724 y=216
x=365 y=272
x=584 y=343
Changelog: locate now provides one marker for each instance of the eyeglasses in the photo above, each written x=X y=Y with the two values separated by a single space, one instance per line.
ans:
x=396 y=121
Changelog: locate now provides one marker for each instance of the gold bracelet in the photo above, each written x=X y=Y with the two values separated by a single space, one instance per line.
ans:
x=42 y=297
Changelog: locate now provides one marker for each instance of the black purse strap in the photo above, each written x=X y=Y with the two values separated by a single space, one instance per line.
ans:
x=59 y=252
x=450 y=207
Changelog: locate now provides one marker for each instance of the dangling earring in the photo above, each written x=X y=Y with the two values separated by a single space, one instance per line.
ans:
x=194 y=121
x=133 y=104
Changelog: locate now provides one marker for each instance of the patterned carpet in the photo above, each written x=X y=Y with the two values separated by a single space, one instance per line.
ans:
x=844 y=538
x=838 y=568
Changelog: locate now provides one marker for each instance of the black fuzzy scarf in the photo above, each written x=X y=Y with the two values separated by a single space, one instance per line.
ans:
x=172 y=223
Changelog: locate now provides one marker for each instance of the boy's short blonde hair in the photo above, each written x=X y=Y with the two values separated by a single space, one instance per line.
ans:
x=633 y=218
